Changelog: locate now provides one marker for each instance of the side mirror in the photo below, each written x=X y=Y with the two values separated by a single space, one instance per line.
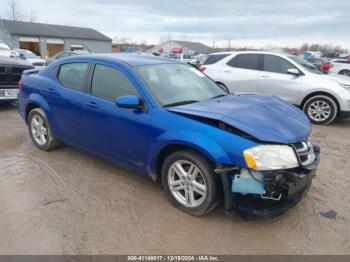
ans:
x=293 y=71
x=131 y=102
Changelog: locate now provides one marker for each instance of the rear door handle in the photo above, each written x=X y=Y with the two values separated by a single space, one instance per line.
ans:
x=265 y=76
x=227 y=71
x=92 y=104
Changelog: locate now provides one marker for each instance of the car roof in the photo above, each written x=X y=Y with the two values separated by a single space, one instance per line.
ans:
x=132 y=59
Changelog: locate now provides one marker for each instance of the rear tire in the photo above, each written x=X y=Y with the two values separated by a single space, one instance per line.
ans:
x=189 y=182
x=321 y=109
x=40 y=130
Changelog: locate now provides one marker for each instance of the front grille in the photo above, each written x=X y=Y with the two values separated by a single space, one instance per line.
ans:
x=305 y=152
x=9 y=76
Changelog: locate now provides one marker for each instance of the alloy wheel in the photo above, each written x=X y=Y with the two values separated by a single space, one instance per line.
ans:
x=319 y=110
x=187 y=183
x=39 y=130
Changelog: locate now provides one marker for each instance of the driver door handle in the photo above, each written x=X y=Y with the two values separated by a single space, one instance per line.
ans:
x=227 y=71
x=92 y=104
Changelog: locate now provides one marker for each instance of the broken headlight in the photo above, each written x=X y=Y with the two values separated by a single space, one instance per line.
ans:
x=270 y=157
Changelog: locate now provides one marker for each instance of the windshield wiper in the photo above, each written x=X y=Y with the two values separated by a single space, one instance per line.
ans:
x=181 y=103
x=219 y=96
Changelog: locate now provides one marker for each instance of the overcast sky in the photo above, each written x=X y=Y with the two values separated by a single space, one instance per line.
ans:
x=254 y=23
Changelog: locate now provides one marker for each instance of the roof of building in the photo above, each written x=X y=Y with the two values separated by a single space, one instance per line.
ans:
x=128 y=58
x=195 y=46
x=49 y=30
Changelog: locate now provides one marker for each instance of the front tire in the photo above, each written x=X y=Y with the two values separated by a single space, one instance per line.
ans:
x=321 y=109
x=189 y=182
x=40 y=130
x=345 y=73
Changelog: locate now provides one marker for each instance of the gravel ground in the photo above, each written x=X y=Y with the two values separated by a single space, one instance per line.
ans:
x=68 y=202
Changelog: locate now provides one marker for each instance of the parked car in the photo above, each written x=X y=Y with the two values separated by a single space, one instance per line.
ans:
x=34 y=59
x=65 y=54
x=10 y=73
x=340 y=67
x=198 y=60
x=6 y=51
x=317 y=62
x=322 y=97
x=169 y=121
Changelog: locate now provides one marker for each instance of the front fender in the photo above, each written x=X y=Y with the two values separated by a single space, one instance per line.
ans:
x=191 y=139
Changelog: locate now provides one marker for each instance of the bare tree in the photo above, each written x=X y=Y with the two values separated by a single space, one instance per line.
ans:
x=15 y=12
x=32 y=16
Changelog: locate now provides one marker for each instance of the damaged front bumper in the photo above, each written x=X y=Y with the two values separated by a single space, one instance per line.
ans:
x=266 y=194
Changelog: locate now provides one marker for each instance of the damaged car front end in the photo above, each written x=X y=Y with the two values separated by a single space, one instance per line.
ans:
x=277 y=171
x=258 y=146
x=270 y=190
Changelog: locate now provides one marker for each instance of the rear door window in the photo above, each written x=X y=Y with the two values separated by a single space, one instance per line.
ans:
x=109 y=83
x=73 y=75
x=245 y=61
x=276 y=64
x=212 y=59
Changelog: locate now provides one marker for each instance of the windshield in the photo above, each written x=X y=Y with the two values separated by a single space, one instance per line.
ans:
x=175 y=84
x=4 y=46
x=306 y=65
x=28 y=54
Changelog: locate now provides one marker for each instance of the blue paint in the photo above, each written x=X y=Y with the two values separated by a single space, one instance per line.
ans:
x=135 y=138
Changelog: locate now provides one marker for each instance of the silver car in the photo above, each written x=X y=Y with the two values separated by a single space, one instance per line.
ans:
x=322 y=97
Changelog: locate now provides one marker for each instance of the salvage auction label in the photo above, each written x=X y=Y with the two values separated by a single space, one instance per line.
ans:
x=173 y=258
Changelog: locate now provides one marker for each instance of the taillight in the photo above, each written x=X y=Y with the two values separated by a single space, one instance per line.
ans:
x=20 y=84
x=202 y=68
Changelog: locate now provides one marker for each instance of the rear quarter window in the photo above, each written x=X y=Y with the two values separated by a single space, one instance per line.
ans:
x=212 y=59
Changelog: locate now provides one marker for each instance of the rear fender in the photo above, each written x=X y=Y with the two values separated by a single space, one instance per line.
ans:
x=38 y=100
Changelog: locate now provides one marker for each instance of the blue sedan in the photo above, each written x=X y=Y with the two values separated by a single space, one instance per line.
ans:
x=169 y=121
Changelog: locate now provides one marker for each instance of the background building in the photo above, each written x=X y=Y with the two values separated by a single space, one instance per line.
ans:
x=47 y=40
x=184 y=47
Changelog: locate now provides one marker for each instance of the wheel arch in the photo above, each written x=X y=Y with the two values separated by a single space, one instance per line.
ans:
x=171 y=148
x=37 y=101
x=30 y=106
x=306 y=98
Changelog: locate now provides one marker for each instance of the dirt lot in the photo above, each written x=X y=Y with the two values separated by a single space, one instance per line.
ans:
x=69 y=202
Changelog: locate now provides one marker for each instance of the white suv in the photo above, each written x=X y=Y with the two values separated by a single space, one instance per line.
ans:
x=322 y=97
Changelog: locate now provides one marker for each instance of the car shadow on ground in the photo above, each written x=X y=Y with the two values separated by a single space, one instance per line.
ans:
x=8 y=106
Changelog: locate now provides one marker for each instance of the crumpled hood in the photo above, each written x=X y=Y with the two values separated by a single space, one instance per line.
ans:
x=266 y=118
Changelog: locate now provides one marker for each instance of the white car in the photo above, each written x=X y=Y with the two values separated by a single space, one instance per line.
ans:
x=35 y=60
x=6 y=51
x=340 y=67
x=321 y=97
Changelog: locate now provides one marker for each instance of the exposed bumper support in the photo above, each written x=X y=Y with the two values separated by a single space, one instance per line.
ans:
x=254 y=206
